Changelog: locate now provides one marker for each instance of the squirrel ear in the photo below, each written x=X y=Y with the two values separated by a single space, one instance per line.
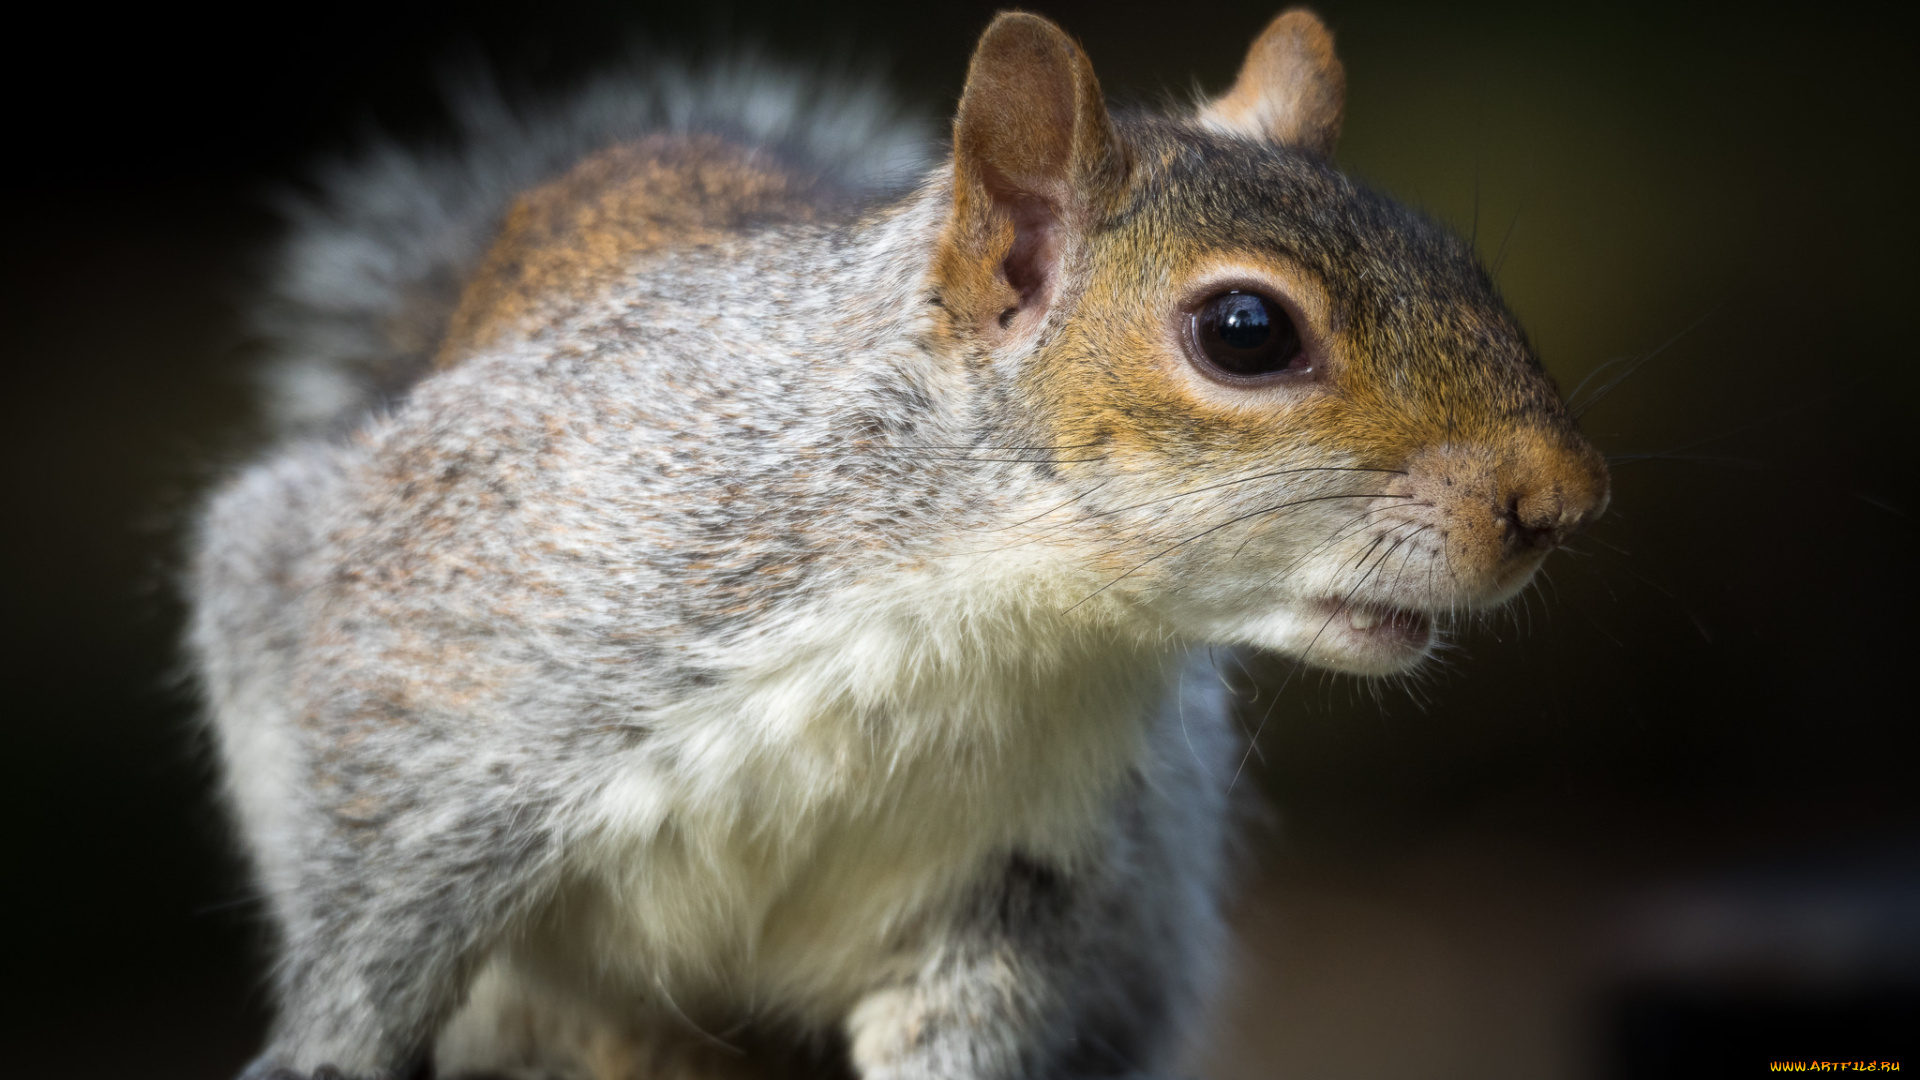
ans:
x=1291 y=90
x=1035 y=161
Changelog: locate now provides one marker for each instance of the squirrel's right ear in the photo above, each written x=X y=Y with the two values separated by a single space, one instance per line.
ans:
x=1291 y=90
x=1035 y=162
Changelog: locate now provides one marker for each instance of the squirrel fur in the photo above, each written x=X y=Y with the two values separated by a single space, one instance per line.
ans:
x=710 y=615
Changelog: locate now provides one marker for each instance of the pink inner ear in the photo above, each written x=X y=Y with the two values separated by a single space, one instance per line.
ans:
x=1029 y=265
x=1031 y=262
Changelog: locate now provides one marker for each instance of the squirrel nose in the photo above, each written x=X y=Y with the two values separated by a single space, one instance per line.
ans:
x=1538 y=519
x=1554 y=496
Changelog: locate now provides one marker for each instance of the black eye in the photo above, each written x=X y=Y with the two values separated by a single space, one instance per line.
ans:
x=1246 y=334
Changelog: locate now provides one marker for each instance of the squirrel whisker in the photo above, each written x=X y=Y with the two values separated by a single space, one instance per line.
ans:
x=1209 y=531
x=1608 y=387
x=1302 y=658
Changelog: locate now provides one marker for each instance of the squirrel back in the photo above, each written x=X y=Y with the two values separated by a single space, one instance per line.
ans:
x=365 y=295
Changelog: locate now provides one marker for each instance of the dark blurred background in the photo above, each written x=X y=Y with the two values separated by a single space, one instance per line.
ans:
x=1663 y=822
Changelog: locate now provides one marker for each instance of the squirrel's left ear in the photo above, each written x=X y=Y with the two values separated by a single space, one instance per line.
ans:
x=1035 y=164
x=1291 y=90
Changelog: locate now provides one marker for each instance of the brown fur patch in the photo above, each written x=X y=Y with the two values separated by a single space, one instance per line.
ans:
x=562 y=240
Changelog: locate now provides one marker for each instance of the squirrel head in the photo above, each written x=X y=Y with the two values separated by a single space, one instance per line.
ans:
x=1282 y=410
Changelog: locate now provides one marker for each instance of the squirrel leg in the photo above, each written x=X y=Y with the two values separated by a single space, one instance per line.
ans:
x=988 y=1001
x=392 y=911
x=1050 y=976
x=1088 y=972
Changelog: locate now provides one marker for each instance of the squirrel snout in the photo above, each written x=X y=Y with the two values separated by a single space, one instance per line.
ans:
x=1538 y=519
x=1500 y=506
x=1549 y=492
x=1544 y=518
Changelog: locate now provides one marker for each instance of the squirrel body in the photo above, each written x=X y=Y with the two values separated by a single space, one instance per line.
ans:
x=776 y=615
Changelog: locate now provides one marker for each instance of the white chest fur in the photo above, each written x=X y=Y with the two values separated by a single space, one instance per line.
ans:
x=778 y=839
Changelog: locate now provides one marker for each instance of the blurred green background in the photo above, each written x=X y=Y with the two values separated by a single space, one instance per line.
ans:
x=1664 y=821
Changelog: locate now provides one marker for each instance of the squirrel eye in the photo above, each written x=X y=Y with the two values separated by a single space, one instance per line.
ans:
x=1247 y=334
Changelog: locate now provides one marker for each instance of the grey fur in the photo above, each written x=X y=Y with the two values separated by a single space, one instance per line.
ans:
x=304 y=627
x=378 y=251
x=744 y=651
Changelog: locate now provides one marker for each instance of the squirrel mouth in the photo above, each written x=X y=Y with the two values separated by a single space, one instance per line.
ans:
x=1384 y=632
x=1340 y=634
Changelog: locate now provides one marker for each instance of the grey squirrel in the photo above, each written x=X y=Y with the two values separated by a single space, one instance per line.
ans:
x=766 y=629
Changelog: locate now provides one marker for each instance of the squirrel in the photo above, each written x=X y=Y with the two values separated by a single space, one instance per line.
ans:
x=711 y=615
